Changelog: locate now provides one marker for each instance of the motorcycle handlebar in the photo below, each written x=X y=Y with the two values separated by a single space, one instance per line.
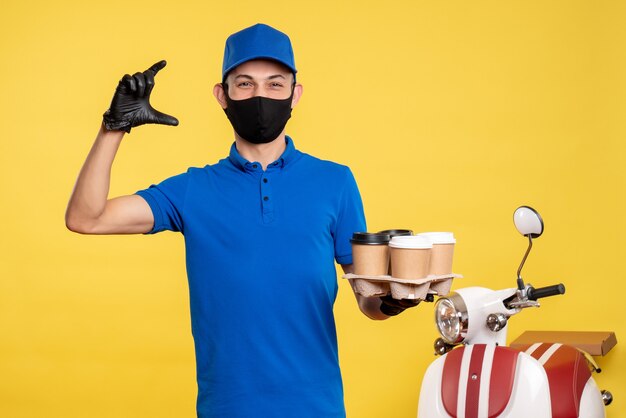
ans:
x=543 y=292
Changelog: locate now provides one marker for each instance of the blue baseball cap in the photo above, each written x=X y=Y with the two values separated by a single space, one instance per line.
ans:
x=259 y=41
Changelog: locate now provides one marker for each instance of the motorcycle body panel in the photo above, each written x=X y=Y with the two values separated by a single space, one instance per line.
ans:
x=591 y=403
x=572 y=389
x=485 y=380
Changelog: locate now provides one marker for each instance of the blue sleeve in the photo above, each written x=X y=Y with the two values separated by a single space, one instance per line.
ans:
x=350 y=219
x=167 y=201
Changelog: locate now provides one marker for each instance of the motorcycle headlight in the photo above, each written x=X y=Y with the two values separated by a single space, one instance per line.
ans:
x=451 y=318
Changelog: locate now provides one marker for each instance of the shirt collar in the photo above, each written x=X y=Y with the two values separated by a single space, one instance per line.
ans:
x=287 y=156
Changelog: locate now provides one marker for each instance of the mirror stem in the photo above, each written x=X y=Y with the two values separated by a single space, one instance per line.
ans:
x=520 y=281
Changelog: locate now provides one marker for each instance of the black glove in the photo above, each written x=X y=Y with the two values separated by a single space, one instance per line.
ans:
x=392 y=307
x=130 y=106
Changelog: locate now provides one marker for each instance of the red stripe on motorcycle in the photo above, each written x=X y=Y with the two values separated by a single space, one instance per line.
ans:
x=473 y=381
x=450 y=380
x=568 y=374
x=502 y=379
x=540 y=350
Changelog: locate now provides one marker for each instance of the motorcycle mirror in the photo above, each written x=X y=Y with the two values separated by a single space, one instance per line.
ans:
x=528 y=222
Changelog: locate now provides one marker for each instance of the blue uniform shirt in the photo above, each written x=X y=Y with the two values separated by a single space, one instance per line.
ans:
x=260 y=251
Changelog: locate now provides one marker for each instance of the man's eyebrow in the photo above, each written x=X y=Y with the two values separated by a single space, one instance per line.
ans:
x=247 y=77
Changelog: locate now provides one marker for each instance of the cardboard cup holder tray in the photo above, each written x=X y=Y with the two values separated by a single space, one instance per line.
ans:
x=370 y=286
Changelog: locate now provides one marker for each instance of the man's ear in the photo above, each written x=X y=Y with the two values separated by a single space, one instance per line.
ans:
x=220 y=95
x=297 y=93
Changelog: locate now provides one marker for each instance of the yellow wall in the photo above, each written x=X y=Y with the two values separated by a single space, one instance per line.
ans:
x=451 y=114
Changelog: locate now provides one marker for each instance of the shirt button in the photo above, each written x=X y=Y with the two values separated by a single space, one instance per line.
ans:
x=264 y=180
x=266 y=198
x=253 y=165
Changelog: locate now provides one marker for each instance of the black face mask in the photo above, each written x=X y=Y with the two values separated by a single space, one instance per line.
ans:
x=258 y=120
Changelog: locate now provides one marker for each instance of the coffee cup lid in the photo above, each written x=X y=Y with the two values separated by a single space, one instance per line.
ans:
x=411 y=241
x=396 y=232
x=370 y=238
x=439 y=237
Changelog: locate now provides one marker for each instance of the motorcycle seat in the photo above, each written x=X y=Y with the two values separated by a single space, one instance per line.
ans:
x=567 y=372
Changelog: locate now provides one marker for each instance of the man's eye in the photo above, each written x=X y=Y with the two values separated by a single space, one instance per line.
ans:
x=244 y=84
x=276 y=85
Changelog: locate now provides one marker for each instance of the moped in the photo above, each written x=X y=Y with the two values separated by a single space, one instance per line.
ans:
x=477 y=375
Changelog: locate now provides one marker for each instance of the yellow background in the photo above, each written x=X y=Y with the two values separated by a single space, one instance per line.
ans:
x=451 y=114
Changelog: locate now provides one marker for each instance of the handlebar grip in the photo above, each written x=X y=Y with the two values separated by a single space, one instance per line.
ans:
x=543 y=292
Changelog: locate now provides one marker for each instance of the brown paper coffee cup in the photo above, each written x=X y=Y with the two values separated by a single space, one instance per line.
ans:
x=410 y=259
x=410 y=263
x=370 y=256
x=395 y=233
x=370 y=260
x=441 y=259
x=443 y=252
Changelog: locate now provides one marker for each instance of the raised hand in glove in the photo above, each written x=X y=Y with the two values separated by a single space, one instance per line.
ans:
x=392 y=307
x=131 y=107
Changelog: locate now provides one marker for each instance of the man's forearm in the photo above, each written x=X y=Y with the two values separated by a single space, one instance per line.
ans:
x=369 y=306
x=89 y=197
